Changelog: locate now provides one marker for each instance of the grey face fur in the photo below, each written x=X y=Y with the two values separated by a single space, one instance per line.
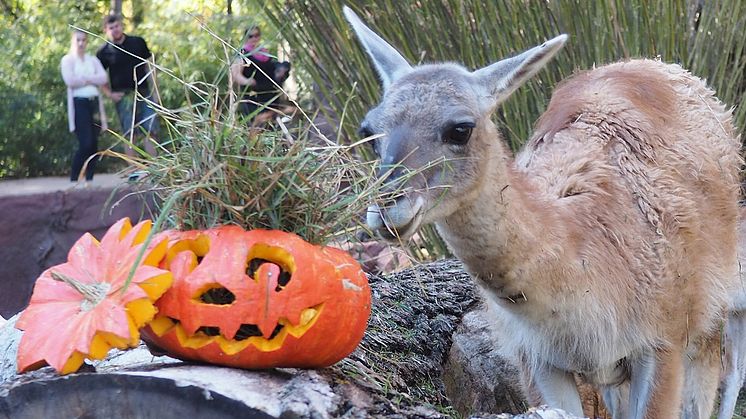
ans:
x=436 y=131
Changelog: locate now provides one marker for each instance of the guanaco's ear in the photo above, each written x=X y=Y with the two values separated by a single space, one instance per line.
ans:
x=389 y=63
x=504 y=77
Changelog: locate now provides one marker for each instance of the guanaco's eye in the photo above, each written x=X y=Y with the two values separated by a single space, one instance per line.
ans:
x=365 y=132
x=458 y=134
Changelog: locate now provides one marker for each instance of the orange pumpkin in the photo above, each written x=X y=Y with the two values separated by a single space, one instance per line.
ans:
x=81 y=309
x=259 y=299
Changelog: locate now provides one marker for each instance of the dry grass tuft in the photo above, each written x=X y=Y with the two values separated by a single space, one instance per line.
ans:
x=216 y=170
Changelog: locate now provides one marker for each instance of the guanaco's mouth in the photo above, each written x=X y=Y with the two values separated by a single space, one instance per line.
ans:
x=405 y=231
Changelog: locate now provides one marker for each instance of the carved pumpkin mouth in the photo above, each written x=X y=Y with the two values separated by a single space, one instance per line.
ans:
x=248 y=334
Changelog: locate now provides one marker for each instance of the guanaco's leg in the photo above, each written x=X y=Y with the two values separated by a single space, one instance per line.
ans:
x=734 y=363
x=616 y=399
x=656 y=381
x=557 y=388
x=702 y=371
x=642 y=376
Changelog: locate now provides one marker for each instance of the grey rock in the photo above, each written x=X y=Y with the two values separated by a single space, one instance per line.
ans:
x=476 y=378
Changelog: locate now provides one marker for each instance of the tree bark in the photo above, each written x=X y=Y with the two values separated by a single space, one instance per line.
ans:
x=116 y=7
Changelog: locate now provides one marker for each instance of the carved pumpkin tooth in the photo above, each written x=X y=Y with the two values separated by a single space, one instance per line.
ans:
x=246 y=331
x=269 y=345
x=232 y=347
x=161 y=325
x=308 y=318
x=276 y=331
x=195 y=341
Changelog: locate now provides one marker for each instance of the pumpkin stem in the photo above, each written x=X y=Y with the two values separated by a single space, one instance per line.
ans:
x=93 y=294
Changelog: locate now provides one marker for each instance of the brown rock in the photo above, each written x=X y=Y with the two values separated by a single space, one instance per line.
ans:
x=39 y=228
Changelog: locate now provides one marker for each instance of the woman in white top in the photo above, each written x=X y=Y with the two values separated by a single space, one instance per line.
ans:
x=82 y=74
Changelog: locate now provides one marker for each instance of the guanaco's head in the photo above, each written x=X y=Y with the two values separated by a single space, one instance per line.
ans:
x=435 y=129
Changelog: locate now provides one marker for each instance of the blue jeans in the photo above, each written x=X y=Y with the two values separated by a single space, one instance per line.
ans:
x=146 y=121
x=87 y=128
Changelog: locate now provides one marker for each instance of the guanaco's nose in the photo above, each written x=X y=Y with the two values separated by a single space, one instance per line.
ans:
x=395 y=150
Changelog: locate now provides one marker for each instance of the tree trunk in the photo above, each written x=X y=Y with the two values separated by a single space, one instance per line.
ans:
x=116 y=7
x=138 y=13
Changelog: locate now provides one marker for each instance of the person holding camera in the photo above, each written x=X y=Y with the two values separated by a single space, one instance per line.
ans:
x=260 y=78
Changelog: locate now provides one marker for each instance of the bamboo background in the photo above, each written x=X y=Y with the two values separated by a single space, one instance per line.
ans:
x=705 y=37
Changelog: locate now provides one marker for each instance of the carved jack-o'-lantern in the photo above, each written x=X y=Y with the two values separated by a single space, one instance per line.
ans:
x=259 y=299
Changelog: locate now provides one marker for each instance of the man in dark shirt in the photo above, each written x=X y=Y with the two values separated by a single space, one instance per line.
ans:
x=126 y=58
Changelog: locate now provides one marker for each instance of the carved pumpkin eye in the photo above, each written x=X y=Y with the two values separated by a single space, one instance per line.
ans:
x=458 y=134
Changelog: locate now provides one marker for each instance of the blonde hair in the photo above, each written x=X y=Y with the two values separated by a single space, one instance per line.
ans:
x=73 y=44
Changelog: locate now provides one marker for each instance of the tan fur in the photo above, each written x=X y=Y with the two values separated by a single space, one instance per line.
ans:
x=733 y=355
x=617 y=221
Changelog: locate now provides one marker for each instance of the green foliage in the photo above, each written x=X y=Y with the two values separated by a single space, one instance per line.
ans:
x=34 y=138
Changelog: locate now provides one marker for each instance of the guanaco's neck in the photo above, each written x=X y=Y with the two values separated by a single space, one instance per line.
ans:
x=503 y=231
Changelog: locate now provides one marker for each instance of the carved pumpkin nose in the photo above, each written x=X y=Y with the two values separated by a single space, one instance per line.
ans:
x=267 y=276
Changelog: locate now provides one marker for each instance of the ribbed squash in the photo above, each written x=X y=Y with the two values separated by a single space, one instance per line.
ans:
x=80 y=309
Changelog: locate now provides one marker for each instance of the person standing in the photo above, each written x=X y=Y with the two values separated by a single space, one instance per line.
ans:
x=128 y=61
x=260 y=78
x=83 y=73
